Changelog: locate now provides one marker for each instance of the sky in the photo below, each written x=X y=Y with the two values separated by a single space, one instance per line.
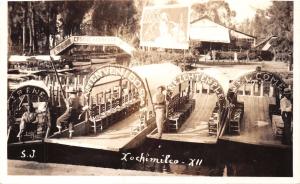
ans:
x=244 y=8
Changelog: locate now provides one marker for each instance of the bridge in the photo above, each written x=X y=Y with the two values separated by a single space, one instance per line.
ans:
x=92 y=40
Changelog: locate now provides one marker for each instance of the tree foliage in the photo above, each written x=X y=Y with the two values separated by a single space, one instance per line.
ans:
x=33 y=24
x=217 y=11
x=277 y=20
x=281 y=25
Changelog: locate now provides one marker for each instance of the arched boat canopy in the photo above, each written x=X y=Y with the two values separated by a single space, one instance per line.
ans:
x=30 y=87
x=202 y=77
x=274 y=79
x=121 y=71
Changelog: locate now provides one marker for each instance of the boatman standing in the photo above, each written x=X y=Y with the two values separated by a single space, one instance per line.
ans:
x=159 y=102
x=72 y=112
x=286 y=114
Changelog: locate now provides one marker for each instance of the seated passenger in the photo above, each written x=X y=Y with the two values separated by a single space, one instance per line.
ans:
x=28 y=121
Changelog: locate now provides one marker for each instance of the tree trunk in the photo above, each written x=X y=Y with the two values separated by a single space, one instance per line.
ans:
x=24 y=27
x=34 y=48
x=30 y=36
x=10 y=43
x=30 y=28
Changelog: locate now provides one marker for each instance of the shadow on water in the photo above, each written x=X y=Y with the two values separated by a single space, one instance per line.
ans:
x=222 y=159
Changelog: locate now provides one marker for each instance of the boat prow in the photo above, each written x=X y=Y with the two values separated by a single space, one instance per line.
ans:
x=183 y=137
x=123 y=135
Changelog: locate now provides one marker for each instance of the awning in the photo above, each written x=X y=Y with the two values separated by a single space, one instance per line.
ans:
x=208 y=31
x=19 y=58
x=157 y=74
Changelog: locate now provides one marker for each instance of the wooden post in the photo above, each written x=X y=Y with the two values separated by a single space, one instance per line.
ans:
x=105 y=99
x=111 y=97
x=100 y=102
x=75 y=83
x=208 y=89
x=129 y=90
x=252 y=89
x=58 y=95
x=83 y=82
x=150 y=95
x=67 y=86
x=179 y=89
x=47 y=80
x=97 y=99
x=78 y=82
x=271 y=92
x=256 y=86
x=60 y=79
x=52 y=94
x=200 y=87
x=121 y=91
x=91 y=100
x=261 y=88
x=67 y=81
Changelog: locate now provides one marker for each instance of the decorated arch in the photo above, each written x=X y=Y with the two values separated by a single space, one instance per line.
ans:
x=199 y=77
x=31 y=88
x=117 y=70
x=34 y=92
x=264 y=76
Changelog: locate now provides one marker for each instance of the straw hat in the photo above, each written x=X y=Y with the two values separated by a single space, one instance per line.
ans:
x=162 y=87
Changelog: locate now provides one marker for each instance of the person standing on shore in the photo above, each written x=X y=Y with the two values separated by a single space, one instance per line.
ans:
x=159 y=102
x=286 y=114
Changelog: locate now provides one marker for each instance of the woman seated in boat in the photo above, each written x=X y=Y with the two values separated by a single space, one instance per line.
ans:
x=28 y=121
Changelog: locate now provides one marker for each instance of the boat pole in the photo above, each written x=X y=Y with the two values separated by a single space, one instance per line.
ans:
x=8 y=132
x=227 y=118
x=62 y=90
x=151 y=100
x=56 y=74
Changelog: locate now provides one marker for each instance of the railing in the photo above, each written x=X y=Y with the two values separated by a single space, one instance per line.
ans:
x=93 y=40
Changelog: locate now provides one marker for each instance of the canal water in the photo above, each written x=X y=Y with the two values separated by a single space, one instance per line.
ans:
x=221 y=159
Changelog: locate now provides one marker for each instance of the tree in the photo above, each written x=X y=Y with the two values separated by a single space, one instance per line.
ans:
x=72 y=13
x=31 y=23
x=113 y=18
x=217 y=11
x=281 y=25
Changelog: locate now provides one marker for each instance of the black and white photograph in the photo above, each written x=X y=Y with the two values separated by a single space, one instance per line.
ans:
x=150 y=88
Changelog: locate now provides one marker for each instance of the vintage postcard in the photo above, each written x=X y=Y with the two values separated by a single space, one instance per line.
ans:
x=175 y=88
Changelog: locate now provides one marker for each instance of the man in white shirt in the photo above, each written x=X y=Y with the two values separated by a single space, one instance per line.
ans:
x=159 y=101
x=286 y=114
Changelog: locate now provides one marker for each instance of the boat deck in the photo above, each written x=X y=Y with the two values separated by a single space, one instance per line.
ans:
x=256 y=126
x=114 y=138
x=195 y=129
